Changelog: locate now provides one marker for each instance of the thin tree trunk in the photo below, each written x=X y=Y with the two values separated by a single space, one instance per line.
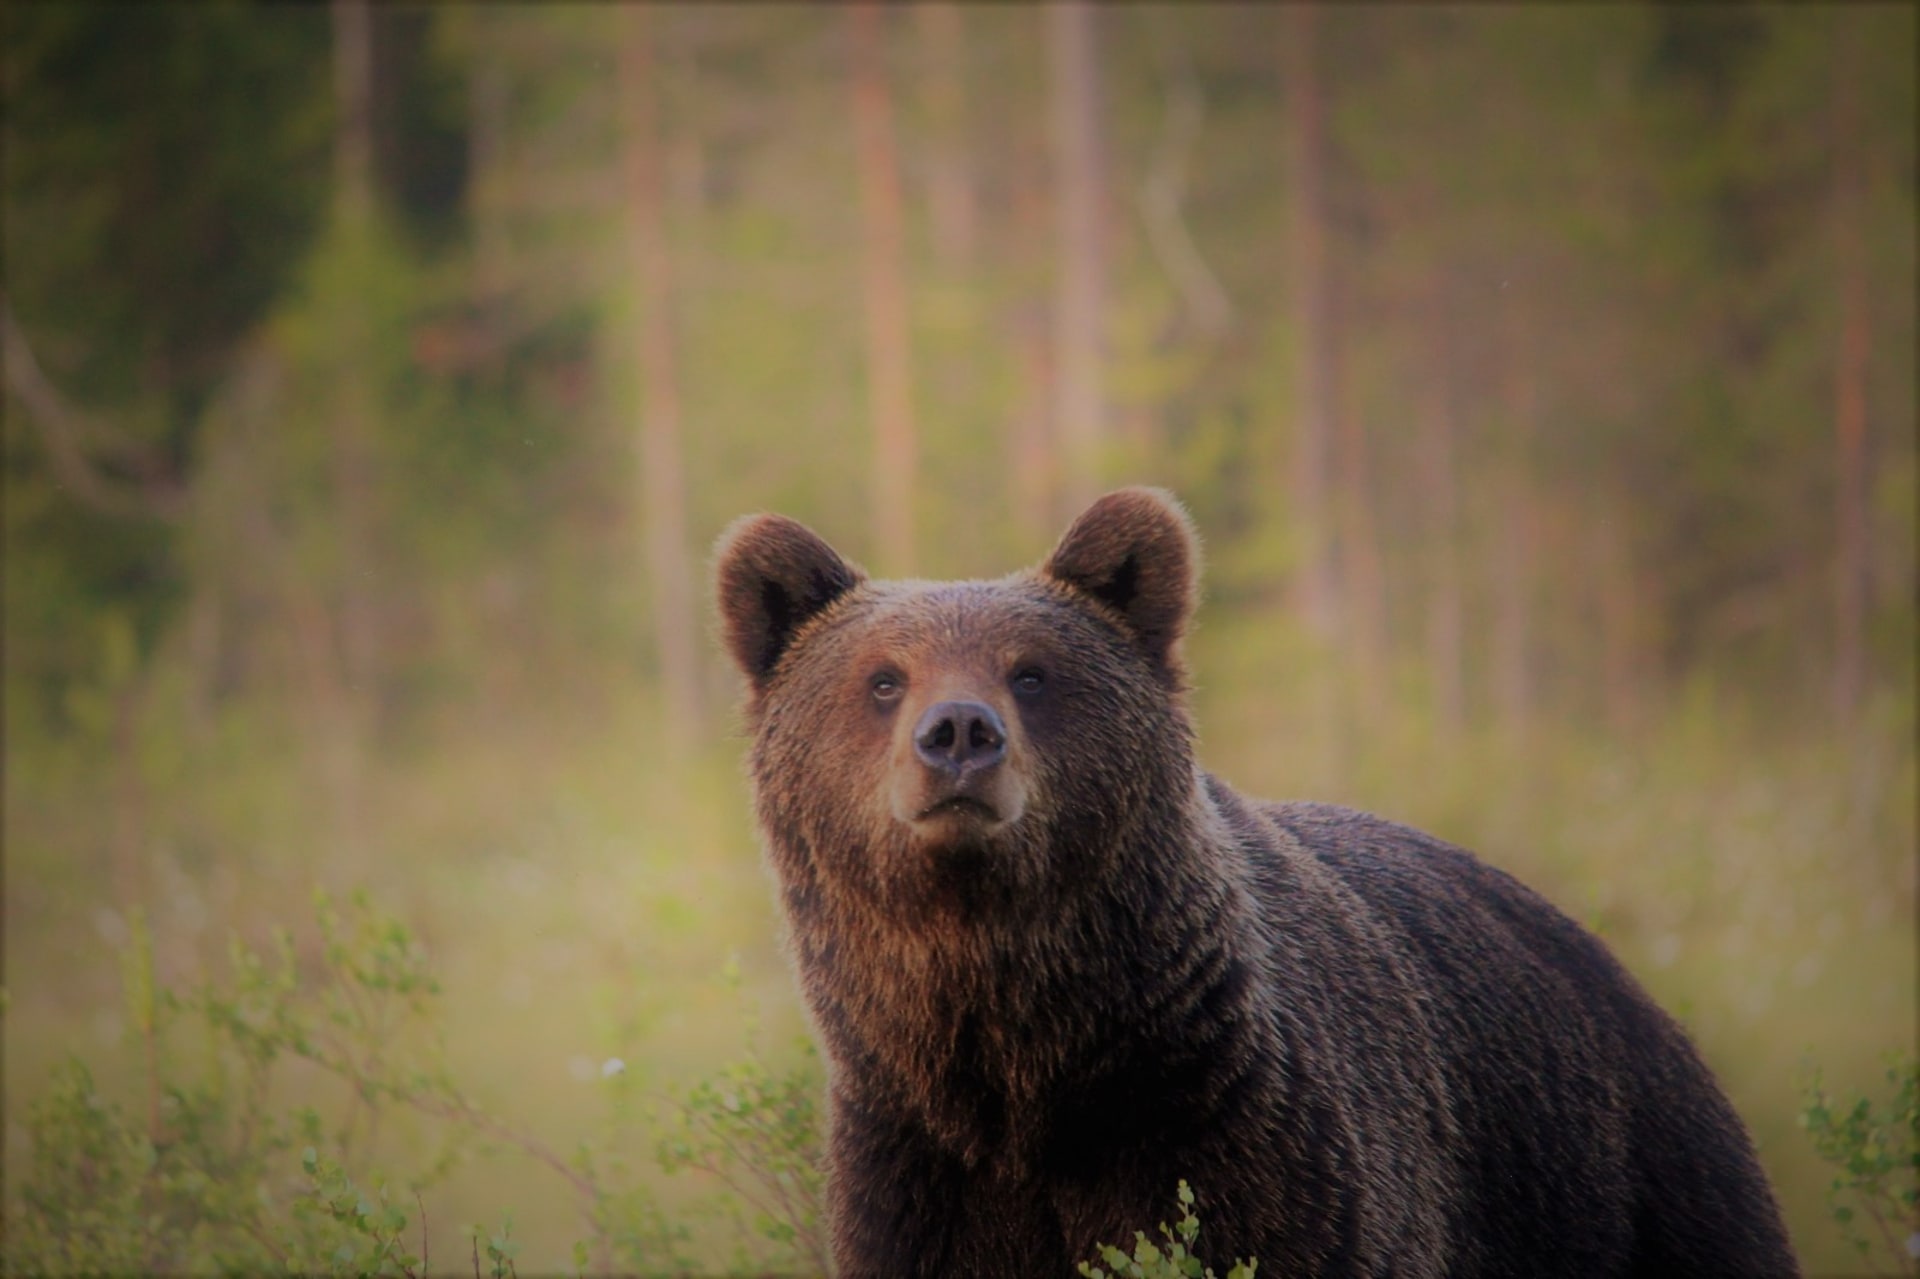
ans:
x=1079 y=409
x=662 y=472
x=353 y=423
x=951 y=218
x=1513 y=623
x=1613 y=578
x=331 y=709
x=353 y=105
x=1852 y=533
x=1310 y=306
x=1030 y=450
x=1364 y=587
x=130 y=879
x=1446 y=613
x=486 y=132
x=889 y=347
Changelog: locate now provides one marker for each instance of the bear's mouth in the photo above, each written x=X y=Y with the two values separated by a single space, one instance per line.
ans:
x=967 y=807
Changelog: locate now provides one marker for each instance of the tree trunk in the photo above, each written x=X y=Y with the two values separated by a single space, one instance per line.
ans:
x=1079 y=221
x=354 y=194
x=1519 y=531
x=951 y=216
x=1363 y=586
x=1852 y=533
x=889 y=346
x=486 y=132
x=1030 y=446
x=353 y=431
x=1312 y=326
x=131 y=886
x=1613 y=579
x=662 y=495
x=1446 y=613
x=353 y=106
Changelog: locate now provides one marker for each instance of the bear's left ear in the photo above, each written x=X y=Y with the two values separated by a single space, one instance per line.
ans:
x=1135 y=551
x=772 y=574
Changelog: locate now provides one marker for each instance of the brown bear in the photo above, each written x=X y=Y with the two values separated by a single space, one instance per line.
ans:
x=1057 y=966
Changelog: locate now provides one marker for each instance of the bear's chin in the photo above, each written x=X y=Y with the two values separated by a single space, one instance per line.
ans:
x=970 y=881
x=962 y=864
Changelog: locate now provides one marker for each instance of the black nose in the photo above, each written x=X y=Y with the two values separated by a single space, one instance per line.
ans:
x=960 y=737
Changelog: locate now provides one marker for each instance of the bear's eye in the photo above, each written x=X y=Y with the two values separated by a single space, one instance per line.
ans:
x=885 y=686
x=1029 y=679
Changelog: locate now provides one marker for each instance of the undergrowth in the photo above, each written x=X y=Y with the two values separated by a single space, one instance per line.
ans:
x=209 y=1168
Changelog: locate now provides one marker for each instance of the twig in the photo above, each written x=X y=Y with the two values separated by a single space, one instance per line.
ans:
x=1885 y=1228
x=1164 y=188
x=459 y=1109
x=62 y=428
x=463 y=1110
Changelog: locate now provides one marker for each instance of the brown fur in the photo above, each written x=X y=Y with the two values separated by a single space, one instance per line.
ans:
x=1057 y=976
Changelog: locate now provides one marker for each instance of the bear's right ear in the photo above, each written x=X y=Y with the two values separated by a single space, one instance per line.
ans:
x=1135 y=551
x=772 y=574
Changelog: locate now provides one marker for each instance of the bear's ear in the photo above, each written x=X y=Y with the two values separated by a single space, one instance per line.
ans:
x=771 y=575
x=1135 y=551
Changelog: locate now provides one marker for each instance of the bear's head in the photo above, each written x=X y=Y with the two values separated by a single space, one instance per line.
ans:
x=966 y=747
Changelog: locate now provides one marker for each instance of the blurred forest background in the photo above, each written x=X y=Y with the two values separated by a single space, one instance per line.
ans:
x=377 y=377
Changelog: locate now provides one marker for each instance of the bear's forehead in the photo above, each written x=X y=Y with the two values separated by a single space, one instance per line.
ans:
x=979 y=616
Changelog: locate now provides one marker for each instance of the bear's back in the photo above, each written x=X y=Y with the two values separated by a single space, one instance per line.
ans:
x=1588 y=1121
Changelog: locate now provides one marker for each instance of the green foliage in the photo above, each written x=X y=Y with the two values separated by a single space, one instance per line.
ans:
x=130 y=208
x=81 y=1206
x=219 y=1178
x=207 y=1179
x=117 y=210
x=757 y=1132
x=501 y=1248
x=372 y=1228
x=1172 y=1259
x=1875 y=1151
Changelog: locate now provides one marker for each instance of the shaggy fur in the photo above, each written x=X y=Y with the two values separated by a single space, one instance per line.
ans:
x=1062 y=967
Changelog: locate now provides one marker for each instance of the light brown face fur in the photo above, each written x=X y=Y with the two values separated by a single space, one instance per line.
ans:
x=838 y=759
x=912 y=681
x=957 y=744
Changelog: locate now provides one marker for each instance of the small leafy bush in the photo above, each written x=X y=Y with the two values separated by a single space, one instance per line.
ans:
x=204 y=1173
x=202 y=1176
x=758 y=1134
x=1172 y=1259
x=1875 y=1149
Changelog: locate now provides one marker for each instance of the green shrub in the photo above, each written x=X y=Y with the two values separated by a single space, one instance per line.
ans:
x=213 y=1177
x=1172 y=1260
x=1875 y=1193
x=758 y=1133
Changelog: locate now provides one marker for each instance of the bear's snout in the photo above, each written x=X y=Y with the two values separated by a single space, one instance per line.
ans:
x=958 y=738
x=957 y=780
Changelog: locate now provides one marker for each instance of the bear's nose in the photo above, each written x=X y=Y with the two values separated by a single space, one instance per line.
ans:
x=960 y=737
